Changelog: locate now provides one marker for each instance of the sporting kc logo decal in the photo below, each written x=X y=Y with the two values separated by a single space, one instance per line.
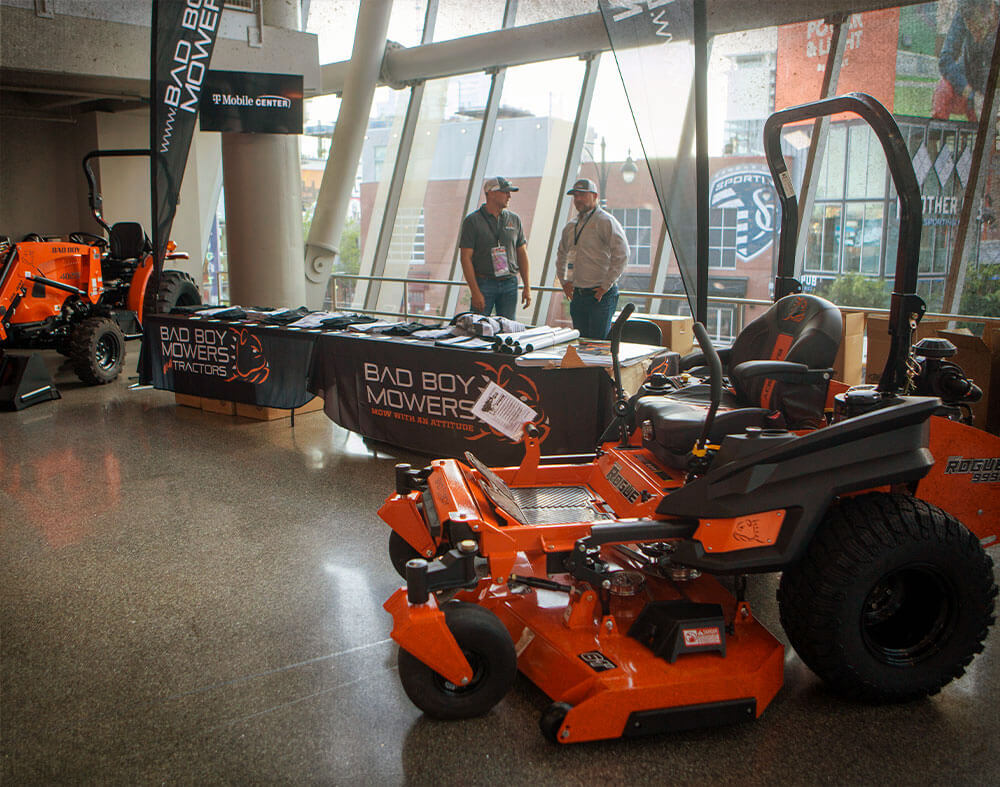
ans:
x=749 y=191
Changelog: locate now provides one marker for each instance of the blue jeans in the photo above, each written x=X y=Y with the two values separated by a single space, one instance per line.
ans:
x=500 y=293
x=592 y=317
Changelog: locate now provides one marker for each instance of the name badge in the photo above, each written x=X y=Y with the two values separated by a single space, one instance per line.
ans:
x=500 y=266
x=570 y=260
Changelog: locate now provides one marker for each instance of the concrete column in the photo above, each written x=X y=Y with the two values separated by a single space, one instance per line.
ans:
x=345 y=151
x=263 y=192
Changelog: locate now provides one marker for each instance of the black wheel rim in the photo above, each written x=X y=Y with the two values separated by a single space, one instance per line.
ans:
x=908 y=615
x=480 y=672
x=107 y=352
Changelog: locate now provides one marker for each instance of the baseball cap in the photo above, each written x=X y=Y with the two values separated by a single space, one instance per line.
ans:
x=584 y=184
x=498 y=184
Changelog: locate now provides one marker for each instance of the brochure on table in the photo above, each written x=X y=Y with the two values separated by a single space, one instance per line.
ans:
x=587 y=352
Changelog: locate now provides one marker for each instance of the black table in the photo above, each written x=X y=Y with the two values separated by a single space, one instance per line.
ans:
x=235 y=361
x=403 y=392
x=406 y=393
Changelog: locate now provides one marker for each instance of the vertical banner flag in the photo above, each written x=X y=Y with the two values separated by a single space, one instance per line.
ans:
x=182 y=39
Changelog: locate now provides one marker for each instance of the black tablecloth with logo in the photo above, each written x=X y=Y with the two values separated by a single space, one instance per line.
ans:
x=252 y=364
x=408 y=394
x=402 y=392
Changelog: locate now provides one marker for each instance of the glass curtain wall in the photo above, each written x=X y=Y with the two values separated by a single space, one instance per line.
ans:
x=909 y=58
x=459 y=18
x=432 y=201
x=896 y=54
x=378 y=158
x=530 y=145
x=612 y=157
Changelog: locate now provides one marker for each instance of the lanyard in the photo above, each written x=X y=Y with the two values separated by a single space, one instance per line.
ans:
x=499 y=223
x=579 y=227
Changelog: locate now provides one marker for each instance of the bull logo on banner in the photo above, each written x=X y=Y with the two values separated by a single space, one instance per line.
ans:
x=251 y=365
x=749 y=191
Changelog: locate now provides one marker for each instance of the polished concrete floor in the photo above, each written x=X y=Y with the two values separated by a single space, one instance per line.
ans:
x=196 y=598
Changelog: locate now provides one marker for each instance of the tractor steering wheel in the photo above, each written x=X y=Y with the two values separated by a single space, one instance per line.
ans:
x=89 y=239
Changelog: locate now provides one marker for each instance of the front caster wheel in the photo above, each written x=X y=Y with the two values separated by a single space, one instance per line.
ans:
x=490 y=650
x=552 y=720
x=401 y=553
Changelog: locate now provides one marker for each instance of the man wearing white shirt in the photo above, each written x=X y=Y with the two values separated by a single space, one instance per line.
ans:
x=592 y=255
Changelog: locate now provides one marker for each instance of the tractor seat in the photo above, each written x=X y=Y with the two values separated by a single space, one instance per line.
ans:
x=128 y=241
x=779 y=370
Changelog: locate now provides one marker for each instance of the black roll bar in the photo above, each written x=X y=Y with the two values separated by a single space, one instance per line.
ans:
x=94 y=198
x=906 y=307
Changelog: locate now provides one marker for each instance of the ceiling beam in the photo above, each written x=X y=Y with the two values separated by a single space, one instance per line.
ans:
x=574 y=36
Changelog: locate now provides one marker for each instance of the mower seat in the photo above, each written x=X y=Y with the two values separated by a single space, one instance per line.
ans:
x=779 y=372
x=642 y=332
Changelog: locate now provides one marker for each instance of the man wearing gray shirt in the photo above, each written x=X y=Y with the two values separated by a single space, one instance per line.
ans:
x=493 y=251
x=592 y=254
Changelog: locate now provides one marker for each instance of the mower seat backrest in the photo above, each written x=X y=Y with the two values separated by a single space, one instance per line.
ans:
x=798 y=328
x=128 y=241
x=642 y=332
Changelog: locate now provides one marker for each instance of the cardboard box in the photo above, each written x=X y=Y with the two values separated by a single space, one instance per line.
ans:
x=186 y=400
x=849 y=364
x=220 y=406
x=678 y=332
x=273 y=413
x=980 y=361
x=877 y=335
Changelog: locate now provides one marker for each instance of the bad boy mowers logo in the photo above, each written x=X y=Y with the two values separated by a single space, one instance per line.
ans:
x=229 y=353
x=750 y=191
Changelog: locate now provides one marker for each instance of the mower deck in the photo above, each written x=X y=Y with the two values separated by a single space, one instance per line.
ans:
x=616 y=685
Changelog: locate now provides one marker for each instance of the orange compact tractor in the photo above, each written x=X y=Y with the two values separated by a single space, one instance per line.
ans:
x=618 y=586
x=84 y=296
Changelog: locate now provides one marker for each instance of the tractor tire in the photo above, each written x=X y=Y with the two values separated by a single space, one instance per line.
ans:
x=176 y=289
x=97 y=350
x=891 y=601
x=490 y=650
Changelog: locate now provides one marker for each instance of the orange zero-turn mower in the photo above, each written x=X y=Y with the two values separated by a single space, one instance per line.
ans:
x=618 y=586
x=85 y=296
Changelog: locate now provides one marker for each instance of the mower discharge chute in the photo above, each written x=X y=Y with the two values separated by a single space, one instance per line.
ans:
x=618 y=586
x=85 y=296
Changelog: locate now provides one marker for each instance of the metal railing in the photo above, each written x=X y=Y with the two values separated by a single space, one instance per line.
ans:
x=741 y=303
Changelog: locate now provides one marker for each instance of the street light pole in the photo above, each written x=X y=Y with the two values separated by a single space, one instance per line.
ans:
x=602 y=175
x=628 y=171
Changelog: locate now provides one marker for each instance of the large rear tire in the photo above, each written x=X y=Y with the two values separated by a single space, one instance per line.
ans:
x=490 y=650
x=97 y=350
x=176 y=289
x=892 y=599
